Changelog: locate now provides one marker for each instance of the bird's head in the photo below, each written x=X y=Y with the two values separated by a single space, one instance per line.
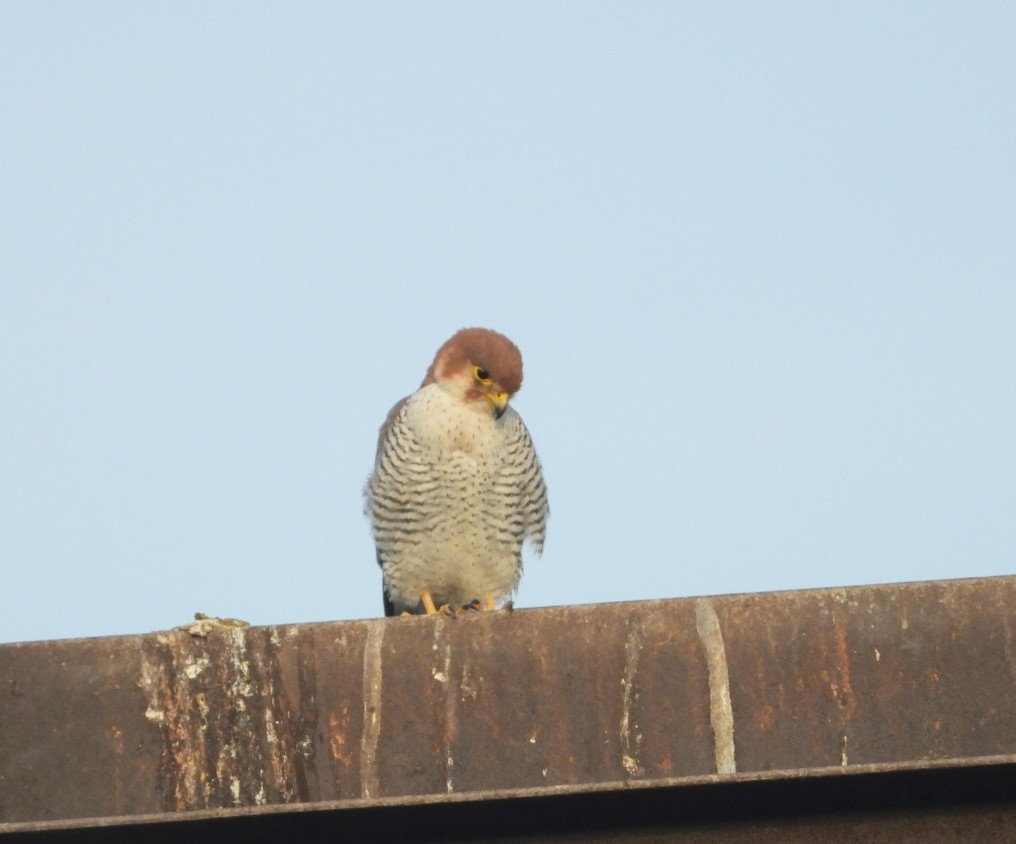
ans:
x=480 y=367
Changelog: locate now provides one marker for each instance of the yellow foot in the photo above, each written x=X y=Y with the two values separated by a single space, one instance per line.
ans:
x=430 y=608
x=487 y=604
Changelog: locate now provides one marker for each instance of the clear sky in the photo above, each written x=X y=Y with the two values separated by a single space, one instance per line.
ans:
x=760 y=259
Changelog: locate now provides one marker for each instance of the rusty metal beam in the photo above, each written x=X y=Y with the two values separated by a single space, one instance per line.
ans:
x=936 y=804
x=578 y=703
x=932 y=804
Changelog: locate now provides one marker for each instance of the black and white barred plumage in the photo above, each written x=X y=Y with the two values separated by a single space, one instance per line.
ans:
x=457 y=487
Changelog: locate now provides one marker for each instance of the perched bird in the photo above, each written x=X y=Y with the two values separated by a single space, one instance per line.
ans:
x=457 y=487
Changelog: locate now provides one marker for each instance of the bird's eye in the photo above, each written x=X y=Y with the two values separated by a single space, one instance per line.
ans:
x=481 y=374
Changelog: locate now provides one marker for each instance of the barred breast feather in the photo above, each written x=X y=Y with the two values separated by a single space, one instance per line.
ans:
x=454 y=494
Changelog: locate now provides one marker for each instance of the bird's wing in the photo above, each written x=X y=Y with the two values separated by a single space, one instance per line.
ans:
x=532 y=501
x=386 y=426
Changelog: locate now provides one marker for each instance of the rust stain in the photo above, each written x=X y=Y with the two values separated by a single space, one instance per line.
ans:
x=201 y=693
x=183 y=758
x=843 y=692
x=337 y=740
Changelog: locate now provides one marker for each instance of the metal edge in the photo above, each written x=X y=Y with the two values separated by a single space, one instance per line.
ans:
x=509 y=794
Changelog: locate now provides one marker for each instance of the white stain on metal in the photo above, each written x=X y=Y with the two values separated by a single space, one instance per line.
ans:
x=370 y=784
x=721 y=712
x=443 y=674
x=630 y=738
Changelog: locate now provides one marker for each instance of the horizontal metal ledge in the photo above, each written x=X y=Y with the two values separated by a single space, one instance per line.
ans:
x=940 y=766
x=562 y=700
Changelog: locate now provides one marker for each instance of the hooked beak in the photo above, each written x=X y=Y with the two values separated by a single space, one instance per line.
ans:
x=499 y=401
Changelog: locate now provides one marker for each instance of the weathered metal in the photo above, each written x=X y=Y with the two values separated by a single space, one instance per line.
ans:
x=609 y=698
x=936 y=802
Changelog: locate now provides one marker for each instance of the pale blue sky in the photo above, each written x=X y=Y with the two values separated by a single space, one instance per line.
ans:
x=760 y=260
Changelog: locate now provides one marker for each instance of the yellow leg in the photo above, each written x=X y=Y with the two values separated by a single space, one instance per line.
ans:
x=488 y=603
x=428 y=602
x=429 y=606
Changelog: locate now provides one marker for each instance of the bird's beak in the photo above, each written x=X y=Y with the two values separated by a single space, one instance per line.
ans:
x=499 y=401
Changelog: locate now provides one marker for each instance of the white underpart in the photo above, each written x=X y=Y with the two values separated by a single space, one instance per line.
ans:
x=454 y=494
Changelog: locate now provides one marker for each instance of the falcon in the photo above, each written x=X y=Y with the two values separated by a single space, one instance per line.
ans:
x=457 y=487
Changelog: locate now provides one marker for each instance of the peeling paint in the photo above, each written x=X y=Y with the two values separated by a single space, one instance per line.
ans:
x=195 y=667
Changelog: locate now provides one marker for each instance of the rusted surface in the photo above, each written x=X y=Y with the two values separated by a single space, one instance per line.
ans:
x=647 y=693
x=937 y=802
